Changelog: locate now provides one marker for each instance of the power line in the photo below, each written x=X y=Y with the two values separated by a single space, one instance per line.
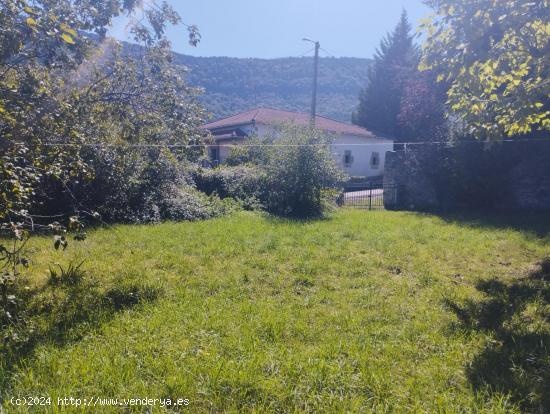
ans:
x=306 y=52
x=412 y=143
x=330 y=54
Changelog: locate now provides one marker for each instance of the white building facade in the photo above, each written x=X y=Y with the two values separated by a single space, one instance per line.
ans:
x=357 y=151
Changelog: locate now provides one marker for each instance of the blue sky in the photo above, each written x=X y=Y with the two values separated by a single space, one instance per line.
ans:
x=269 y=29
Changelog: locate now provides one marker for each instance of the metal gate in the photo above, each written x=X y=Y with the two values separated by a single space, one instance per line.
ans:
x=367 y=196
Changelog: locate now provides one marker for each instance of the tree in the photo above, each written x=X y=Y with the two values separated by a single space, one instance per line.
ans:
x=300 y=173
x=140 y=110
x=63 y=90
x=495 y=55
x=48 y=72
x=422 y=112
x=394 y=63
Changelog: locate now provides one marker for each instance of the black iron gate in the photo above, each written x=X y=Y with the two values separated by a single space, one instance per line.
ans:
x=367 y=196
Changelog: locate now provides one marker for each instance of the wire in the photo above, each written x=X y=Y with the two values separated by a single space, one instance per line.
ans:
x=64 y=144
x=330 y=54
x=305 y=53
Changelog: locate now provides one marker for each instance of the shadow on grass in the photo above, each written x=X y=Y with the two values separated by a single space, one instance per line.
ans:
x=516 y=360
x=537 y=224
x=64 y=310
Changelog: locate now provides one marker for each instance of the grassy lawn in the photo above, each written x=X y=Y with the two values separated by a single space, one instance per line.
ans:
x=364 y=312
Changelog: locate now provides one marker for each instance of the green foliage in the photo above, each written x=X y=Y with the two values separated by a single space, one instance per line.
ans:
x=129 y=184
x=67 y=93
x=137 y=185
x=243 y=183
x=496 y=57
x=252 y=153
x=422 y=115
x=188 y=203
x=394 y=64
x=300 y=173
x=291 y=173
x=61 y=90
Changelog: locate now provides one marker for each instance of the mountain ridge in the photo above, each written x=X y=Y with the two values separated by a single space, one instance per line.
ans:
x=232 y=85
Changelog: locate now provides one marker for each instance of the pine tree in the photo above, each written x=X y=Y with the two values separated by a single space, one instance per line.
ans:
x=395 y=61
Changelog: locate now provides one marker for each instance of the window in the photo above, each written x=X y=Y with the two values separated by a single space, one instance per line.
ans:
x=375 y=160
x=348 y=158
x=214 y=154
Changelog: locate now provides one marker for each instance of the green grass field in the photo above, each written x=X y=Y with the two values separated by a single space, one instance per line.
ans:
x=362 y=312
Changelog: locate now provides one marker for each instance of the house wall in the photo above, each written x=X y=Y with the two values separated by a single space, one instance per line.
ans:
x=361 y=150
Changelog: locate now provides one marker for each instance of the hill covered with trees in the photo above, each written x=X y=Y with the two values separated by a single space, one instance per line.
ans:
x=233 y=85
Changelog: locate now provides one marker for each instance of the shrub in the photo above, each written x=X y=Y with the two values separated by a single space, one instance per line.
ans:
x=300 y=174
x=252 y=153
x=132 y=185
x=136 y=185
x=296 y=178
x=243 y=183
x=187 y=203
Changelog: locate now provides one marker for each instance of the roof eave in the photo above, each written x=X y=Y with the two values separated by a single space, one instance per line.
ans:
x=227 y=125
x=229 y=139
x=370 y=137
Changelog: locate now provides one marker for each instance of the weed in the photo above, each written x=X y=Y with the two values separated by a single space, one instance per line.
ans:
x=70 y=276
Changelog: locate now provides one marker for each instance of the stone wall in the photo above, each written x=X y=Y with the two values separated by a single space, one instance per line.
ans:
x=472 y=175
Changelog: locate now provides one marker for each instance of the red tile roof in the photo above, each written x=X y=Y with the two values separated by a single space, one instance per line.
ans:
x=268 y=116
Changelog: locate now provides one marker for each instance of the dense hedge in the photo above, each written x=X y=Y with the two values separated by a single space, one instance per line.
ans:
x=471 y=175
x=134 y=186
x=246 y=184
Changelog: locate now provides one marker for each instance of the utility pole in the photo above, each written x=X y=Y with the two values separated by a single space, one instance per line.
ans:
x=315 y=77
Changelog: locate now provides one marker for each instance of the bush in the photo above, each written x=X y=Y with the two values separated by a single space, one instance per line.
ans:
x=299 y=176
x=135 y=185
x=243 y=183
x=252 y=153
x=296 y=178
x=187 y=203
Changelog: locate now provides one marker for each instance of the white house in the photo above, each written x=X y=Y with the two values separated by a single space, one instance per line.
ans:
x=357 y=151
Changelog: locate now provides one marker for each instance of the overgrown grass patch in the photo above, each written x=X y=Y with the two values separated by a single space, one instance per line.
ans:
x=361 y=312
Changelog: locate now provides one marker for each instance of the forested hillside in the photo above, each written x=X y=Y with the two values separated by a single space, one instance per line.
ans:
x=233 y=85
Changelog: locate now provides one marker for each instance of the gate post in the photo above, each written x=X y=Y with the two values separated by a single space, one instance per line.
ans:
x=370 y=198
x=390 y=182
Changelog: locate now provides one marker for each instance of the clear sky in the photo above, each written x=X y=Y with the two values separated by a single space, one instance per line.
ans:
x=274 y=28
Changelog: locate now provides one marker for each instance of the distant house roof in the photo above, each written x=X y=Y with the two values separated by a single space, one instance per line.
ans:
x=268 y=116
